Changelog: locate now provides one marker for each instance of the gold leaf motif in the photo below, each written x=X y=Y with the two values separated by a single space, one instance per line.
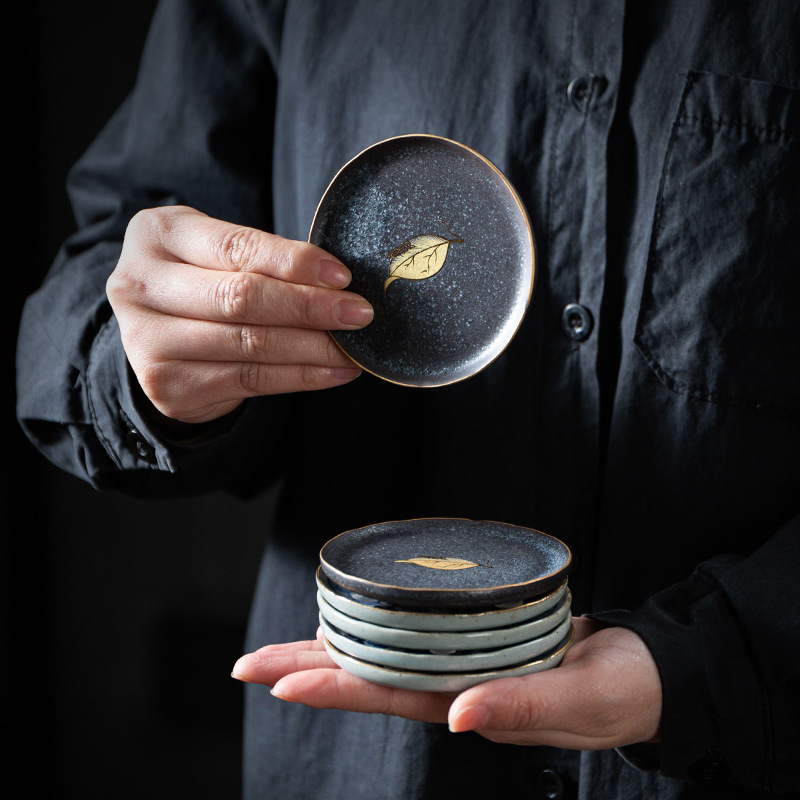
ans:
x=419 y=257
x=439 y=563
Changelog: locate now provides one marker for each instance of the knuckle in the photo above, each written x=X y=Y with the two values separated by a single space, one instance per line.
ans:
x=115 y=285
x=255 y=342
x=527 y=713
x=153 y=224
x=231 y=295
x=236 y=247
x=284 y=257
x=308 y=378
x=251 y=376
x=155 y=380
x=124 y=286
x=306 y=308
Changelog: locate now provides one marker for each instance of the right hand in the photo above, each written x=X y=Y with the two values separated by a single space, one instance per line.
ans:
x=211 y=313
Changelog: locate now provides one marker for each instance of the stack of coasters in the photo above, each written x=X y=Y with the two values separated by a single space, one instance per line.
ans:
x=444 y=604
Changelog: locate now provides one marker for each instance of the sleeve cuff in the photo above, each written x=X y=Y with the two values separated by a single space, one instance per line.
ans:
x=147 y=449
x=122 y=430
x=713 y=721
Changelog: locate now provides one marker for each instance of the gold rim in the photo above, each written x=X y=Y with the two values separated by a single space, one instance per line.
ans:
x=541 y=579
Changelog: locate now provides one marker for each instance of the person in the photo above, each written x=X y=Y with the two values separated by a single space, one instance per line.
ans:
x=646 y=413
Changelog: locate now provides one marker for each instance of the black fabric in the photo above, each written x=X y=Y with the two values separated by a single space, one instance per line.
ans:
x=662 y=191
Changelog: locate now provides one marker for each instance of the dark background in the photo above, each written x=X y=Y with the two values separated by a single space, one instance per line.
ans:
x=121 y=618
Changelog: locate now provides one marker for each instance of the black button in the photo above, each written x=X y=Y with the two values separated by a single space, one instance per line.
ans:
x=577 y=322
x=709 y=769
x=139 y=445
x=548 y=785
x=579 y=92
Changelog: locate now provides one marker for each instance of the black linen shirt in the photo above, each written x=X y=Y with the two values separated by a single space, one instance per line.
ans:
x=647 y=413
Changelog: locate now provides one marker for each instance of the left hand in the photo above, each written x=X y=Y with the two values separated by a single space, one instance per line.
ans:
x=606 y=693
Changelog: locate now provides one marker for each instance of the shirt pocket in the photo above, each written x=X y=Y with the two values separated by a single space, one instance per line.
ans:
x=719 y=317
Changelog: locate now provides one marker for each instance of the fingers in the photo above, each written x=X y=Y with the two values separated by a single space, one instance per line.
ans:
x=269 y=664
x=302 y=672
x=175 y=338
x=606 y=693
x=184 y=290
x=191 y=237
x=202 y=391
x=211 y=313
x=335 y=688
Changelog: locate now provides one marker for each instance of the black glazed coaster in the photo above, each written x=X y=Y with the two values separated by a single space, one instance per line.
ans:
x=446 y=563
x=440 y=244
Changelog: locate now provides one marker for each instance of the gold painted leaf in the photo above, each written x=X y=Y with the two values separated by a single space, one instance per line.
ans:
x=418 y=258
x=439 y=563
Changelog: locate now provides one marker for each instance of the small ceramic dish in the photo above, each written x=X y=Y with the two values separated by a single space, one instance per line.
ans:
x=439 y=242
x=392 y=616
x=456 y=564
x=441 y=682
x=496 y=658
x=444 y=640
x=419 y=619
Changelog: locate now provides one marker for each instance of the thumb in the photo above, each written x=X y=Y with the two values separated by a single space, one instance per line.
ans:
x=605 y=693
x=510 y=704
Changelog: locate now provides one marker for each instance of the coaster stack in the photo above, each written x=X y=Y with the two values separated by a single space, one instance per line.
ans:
x=444 y=604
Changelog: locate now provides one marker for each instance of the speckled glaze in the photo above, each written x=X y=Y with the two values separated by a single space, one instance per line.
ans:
x=447 y=327
x=512 y=563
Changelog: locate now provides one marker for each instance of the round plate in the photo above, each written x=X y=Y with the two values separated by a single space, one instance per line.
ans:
x=445 y=661
x=440 y=244
x=446 y=563
x=441 y=682
x=417 y=620
x=444 y=640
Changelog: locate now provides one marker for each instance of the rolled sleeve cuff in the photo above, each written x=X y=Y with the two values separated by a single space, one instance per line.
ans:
x=713 y=720
x=153 y=455
x=120 y=428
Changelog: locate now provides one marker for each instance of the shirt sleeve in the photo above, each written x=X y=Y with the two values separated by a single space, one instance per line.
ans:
x=196 y=130
x=727 y=645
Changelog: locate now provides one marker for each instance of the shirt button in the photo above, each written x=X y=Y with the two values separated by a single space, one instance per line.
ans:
x=577 y=322
x=140 y=446
x=709 y=769
x=579 y=92
x=548 y=785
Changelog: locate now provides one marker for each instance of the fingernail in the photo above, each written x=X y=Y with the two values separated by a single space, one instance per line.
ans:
x=469 y=719
x=334 y=274
x=275 y=691
x=355 y=313
x=238 y=672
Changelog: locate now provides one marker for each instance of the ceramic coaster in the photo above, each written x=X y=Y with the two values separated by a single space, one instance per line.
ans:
x=394 y=616
x=457 y=564
x=441 y=682
x=446 y=661
x=445 y=640
x=439 y=242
